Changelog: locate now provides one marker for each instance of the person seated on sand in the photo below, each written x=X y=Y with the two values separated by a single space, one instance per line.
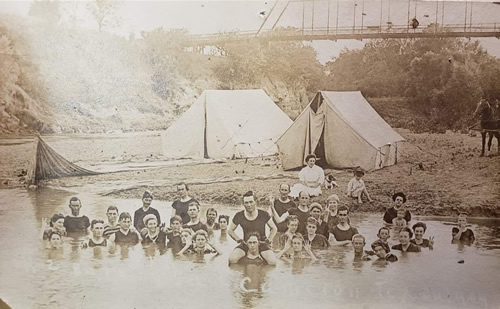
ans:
x=342 y=233
x=419 y=229
x=199 y=244
x=383 y=235
x=174 y=234
x=302 y=212
x=358 y=243
x=194 y=218
x=461 y=232
x=383 y=251
x=146 y=209
x=251 y=220
x=404 y=241
x=311 y=178
x=281 y=206
x=253 y=255
x=97 y=240
x=312 y=238
x=75 y=222
x=316 y=211
x=399 y=222
x=152 y=233
x=296 y=248
x=180 y=206
x=399 y=199
x=126 y=234
x=112 y=226
x=56 y=224
x=356 y=187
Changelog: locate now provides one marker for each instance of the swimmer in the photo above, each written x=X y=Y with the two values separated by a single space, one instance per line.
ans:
x=404 y=241
x=56 y=224
x=75 y=222
x=292 y=223
x=383 y=251
x=180 y=206
x=97 y=240
x=194 y=218
x=152 y=233
x=358 y=243
x=316 y=241
x=211 y=223
x=316 y=211
x=223 y=223
x=462 y=233
x=301 y=211
x=112 y=226
x=174 y=234
x=384 y=234
x=125 y=234
x=296 y=248
x=253 y=255
x=146 y=209
x=341 y=234
x=55 y=240
x=199 y=244
x=419 y=229
x=399 y=222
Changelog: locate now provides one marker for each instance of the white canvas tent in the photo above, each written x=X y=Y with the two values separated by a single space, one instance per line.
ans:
x=343 y=129
x=227 y=124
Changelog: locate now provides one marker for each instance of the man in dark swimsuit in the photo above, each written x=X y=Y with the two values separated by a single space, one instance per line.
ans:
x=75 y=222
x=180 y=206
x=252 y=220
x=146 y=209
x=194 y=214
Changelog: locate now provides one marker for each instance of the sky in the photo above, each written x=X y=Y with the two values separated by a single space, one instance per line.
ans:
x=202 y=17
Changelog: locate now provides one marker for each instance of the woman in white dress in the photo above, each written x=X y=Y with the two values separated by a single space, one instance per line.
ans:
x=311 y=178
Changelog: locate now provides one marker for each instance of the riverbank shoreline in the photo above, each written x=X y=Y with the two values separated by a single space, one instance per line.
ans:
x=441 y=174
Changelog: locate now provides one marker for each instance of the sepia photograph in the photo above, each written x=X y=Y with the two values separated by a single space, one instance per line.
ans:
x=249 y=154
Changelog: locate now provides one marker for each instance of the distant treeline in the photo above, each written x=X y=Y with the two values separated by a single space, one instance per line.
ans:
x=94 y=81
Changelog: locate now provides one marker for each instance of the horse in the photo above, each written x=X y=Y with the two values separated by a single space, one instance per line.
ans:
x=490 y=123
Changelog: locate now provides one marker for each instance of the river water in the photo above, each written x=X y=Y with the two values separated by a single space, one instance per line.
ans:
x=33 y=277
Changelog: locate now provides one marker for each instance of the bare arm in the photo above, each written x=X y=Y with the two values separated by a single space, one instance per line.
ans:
x=231 y=232
x=334 y=242
x=273 y=229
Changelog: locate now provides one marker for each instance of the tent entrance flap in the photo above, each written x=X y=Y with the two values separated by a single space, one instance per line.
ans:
x=316 y=130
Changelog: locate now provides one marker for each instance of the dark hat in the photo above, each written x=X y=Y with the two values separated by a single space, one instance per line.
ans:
x=359 y=171
x=147 y=194
x=399 y=194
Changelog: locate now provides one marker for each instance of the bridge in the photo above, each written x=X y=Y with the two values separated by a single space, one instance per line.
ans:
x=374 y=19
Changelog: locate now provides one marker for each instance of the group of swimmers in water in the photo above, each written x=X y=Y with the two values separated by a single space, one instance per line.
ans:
x=295 y=228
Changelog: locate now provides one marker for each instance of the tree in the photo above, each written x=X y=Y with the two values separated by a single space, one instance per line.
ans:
x=105 y=13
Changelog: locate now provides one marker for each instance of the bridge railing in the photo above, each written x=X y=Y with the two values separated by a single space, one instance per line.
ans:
x=333 y=31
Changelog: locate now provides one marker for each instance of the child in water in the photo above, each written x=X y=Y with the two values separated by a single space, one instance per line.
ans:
x=462 y=232
x=419 y=240
x=399 y=222
x=200 y=245
x=97 y=240
x=292 y=224
x=384 y=234
x=383 y=251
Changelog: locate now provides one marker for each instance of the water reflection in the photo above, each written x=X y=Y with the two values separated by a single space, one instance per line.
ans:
x=42 y=278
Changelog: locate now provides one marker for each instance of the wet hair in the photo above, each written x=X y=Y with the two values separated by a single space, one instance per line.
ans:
x=256 y=234
x=419 y=224
x=399 y=194
x=291 y=218
x=52 y=233
x=407 y=229
x=211 y=209
x=315 y=205
x=299 y=236
x=384 y=228
x=200 y=232
x=194 y=203
x=248 y=194
x=182 y=183
x=304 y=192
x=285 y=184
x=96 y=221
x=224 y=217
x=175 y=218
x=124 y=215
x=342 y=208
x=74 y=199
x=54 y=219
x=112 y=207
x=312 y=220
x=358 y=236
x=333 y=197
x=379 y=243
